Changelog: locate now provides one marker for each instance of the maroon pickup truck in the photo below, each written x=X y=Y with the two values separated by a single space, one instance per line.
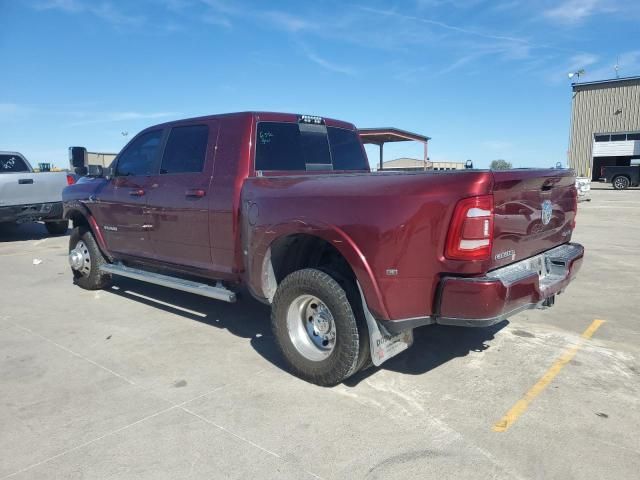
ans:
x=350 y=261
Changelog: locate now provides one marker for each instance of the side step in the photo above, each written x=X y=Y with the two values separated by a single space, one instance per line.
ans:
x=218 y=292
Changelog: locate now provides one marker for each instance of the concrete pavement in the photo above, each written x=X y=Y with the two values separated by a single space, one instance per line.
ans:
x=140 y=381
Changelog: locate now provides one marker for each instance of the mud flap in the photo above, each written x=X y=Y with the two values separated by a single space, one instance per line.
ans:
x=383 y=344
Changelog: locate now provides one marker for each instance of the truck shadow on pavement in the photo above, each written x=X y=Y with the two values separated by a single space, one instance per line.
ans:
x=26 y=231
x=433 y=345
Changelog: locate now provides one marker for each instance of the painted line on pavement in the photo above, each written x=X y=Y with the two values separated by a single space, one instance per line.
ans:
x=521 y=405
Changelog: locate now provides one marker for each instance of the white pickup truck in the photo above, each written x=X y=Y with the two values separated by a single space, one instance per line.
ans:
x=28 y=196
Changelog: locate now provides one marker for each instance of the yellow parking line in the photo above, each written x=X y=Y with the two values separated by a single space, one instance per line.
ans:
x=521 y=405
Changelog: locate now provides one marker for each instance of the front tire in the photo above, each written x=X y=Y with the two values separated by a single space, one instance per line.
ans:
x=86 y=259
x=621 y=182
x=57 y=228
x=315 y=328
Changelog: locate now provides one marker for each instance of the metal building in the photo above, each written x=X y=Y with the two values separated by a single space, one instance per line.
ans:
x=414 y=164
x=605 y=125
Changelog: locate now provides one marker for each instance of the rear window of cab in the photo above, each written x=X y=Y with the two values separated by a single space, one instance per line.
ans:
x=307 y=147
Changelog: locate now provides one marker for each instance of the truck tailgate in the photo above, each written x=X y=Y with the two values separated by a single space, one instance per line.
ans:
x=534 y=211
x=29 y=188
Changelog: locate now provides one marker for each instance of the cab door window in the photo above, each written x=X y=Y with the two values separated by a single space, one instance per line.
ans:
x=186 y=150
x=140 y=158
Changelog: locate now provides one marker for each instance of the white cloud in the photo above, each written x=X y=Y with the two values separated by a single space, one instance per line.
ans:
x=104 y=10
x=11 y=110
x=581 y=60
x=460 y=4
x=214 y=19
x=71 y=6
x=454 y=28
x=291 y=23
x=107 y=117
x=575 y=11
x=628 y=65
x=327 y=65
x=459 y=63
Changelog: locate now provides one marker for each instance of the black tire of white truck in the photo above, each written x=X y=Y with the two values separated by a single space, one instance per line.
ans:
x=59 y=227
x=621 y=182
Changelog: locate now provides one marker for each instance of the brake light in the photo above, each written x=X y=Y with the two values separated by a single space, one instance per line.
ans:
x=470 y=235
x=575 y=209
x=70 y=180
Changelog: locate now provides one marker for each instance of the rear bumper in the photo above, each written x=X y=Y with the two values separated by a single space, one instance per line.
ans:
x=531 y=283
x=31 y=212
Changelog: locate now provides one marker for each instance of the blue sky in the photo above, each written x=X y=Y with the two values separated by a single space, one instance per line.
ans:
x=484 y=79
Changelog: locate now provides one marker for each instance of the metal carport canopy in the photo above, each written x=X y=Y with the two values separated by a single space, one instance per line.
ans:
x=382 y=135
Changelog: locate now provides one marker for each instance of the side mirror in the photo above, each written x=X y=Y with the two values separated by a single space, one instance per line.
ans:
x=77 y=157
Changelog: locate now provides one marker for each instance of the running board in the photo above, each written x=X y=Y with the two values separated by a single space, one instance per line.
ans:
x=218 y=292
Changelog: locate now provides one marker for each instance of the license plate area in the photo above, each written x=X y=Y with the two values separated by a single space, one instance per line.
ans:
x=542 y=265
x=550 y=267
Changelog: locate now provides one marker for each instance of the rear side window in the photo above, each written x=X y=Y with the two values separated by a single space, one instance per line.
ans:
x=140 y=157
x=12 y=164
x=186 y=150
x=305 y=147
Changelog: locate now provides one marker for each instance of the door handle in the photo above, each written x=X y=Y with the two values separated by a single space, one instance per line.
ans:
x=195 y=192
x=136 y=192
x=25 y=181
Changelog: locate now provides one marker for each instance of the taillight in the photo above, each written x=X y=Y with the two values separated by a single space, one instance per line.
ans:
x=70 y=180
x=575 y=209
x=471 y=230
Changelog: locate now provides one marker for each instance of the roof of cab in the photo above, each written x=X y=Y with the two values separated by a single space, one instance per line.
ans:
x=258 y=116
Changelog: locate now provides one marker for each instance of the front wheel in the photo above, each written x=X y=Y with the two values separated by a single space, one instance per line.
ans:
x=86 y=259
x=621 y=183
x=315 y=328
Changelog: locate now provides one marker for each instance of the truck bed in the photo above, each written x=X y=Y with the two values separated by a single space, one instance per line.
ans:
x=31 y=188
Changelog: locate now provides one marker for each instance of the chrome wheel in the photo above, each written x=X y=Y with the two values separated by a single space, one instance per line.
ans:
x=311 y=327
x=80 y=259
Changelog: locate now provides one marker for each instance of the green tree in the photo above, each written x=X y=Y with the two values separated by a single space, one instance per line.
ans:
x=500 y=165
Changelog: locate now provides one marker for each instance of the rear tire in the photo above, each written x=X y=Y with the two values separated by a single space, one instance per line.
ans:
x=621 y=182
x=316 y=330
x=57 y=228
x=86 y=270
